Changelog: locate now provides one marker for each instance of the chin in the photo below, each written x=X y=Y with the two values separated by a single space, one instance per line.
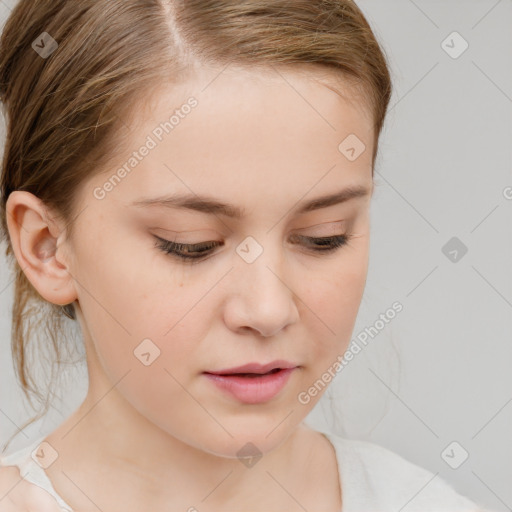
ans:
x=247 y=439
x=242 y=448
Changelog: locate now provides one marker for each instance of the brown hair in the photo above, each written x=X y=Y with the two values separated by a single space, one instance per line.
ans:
x=63 y=110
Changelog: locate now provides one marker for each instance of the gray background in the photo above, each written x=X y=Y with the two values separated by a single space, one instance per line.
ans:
x=444 y=164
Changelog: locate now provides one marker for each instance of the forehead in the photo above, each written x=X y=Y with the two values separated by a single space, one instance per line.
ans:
x=249 y=131
x=312 y=90
x=242 y=101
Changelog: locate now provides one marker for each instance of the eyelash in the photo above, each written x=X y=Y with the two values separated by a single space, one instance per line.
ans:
x=176 y=249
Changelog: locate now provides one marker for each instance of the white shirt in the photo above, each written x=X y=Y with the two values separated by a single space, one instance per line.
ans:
x=372 y=479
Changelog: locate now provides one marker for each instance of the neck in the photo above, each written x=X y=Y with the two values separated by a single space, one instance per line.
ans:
x=126 y=452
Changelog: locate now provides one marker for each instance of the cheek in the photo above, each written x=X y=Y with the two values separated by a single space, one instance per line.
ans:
x=160 y=393
x=128 y=296
x=332 y=303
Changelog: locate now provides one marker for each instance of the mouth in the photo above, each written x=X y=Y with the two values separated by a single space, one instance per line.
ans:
x=246 y=374
x=250 y=387
x=255 y=369
x=250 y=375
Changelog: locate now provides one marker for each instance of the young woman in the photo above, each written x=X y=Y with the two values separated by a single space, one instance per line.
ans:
x=191 y=181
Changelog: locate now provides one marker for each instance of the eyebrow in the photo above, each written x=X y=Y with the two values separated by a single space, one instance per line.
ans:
x=206 y=204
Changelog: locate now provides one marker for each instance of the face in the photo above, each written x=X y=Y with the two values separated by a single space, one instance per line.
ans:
x=168 y=292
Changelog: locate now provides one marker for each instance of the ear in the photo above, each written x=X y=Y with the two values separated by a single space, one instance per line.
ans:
x=37 y=241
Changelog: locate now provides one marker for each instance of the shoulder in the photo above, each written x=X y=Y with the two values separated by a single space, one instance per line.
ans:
x=393 y=482
x=27 y=461
x=19 y=457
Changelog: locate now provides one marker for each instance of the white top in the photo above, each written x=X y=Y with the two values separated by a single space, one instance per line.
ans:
x=372 y=479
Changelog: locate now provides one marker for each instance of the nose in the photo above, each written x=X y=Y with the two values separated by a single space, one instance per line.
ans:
x=261 y=297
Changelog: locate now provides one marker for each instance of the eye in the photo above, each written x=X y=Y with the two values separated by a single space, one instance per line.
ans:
x=193 y=253
x=190 y=253
x=326 y=243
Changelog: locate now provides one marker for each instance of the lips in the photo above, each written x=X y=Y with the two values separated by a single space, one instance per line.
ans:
x=255 y=368
x=252 y=388
x=253 y=383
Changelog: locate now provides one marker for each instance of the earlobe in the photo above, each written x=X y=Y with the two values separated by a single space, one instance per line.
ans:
x=35 y=239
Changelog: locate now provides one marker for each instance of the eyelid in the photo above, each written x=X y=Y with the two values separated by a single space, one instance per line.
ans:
x=171 y=234
x=334 y=228
x=202 y=234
